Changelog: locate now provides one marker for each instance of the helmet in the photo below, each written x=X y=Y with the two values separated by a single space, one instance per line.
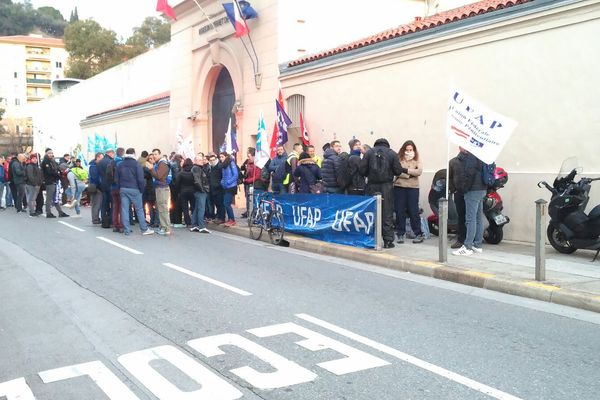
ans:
x=501 y=177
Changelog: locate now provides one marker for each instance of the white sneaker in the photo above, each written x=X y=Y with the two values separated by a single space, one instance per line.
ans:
x=478 y=250
x=148 y=232
x=204 y=230
x=194 y=229
x=463 y=251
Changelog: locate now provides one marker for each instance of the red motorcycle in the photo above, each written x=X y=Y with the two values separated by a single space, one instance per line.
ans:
x=492 y=207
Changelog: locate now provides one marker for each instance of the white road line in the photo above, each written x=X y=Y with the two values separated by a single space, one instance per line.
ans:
x=207 y=279
x=71 y=226
x=129 y=249
x=470 y=383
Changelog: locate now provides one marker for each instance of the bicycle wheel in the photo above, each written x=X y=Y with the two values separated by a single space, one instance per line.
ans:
x=255 y=223
x=276 y=227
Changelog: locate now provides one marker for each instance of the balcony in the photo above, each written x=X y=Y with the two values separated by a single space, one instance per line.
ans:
x=38 y=69
x=39 y=81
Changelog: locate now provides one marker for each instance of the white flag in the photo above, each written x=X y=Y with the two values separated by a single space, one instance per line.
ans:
x=476 y=128
x=262 y=143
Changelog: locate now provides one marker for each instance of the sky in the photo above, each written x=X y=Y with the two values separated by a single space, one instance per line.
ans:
x=119 y=15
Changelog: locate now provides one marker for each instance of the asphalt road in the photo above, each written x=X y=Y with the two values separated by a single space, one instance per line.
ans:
x=195 y=316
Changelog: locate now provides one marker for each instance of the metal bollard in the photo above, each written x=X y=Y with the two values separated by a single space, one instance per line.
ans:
x=251 y=201
x=540 y=240
x=378 y=223
x=443 y=227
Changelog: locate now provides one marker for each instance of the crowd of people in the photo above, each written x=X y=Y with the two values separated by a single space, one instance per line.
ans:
x=159 y=192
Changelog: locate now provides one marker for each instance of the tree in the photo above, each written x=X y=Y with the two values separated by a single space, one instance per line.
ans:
x=51 y=21
x=17 y=18
x=152 y=33
x=92 y=49
x=74 y=16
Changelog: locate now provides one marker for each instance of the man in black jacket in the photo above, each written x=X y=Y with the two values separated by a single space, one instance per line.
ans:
x=332 y=168
x=18 y=180
x=379 y=166
x=51 y=178
x=456 y=173
x=215 y=173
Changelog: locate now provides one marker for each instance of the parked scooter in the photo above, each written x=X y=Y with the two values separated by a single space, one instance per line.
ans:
x=570 y=227
x=492 y=207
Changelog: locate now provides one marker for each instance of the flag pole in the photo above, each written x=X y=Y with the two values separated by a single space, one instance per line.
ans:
x=205 y=15
x=256 y=69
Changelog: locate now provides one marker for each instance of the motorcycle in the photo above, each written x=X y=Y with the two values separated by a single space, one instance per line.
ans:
x=570 y=228
x=492 y=207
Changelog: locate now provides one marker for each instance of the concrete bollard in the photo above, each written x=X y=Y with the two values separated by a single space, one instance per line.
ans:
x=540 y=240
x=443 y=227
x=378 y=223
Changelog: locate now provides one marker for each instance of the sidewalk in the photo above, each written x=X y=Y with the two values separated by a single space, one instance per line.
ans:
x=509 y=267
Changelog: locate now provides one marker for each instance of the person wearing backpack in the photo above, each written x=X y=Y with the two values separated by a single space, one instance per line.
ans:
x=379 y=166
x=201 y=191
x=106 y=177
x=252 y=176
x=357 y=183
x=474 y=189
x=406 y=192
x=51 y=179
x=278 y=169
x=160 y=170
x=332 y=169
x=229 y=185
x=77 y=179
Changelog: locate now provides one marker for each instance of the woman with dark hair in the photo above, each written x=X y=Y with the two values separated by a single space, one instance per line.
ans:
x=184 y=184
x=406 y=192
x=229 y=183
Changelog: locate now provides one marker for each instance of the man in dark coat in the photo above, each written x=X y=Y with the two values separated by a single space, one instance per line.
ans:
x=331 y=169
x=51 y=179
x=105 y=186
x=379 y=166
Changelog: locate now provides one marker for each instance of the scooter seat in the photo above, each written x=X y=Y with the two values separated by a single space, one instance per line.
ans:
x=594 y=215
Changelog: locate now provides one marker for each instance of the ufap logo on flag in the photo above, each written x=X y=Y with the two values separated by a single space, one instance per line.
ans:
x=262 y=143
x=477 y=128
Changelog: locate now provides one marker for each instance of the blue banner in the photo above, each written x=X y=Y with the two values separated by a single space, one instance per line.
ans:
x=334 y=218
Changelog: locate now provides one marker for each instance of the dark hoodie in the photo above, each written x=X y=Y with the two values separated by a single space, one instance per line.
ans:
x=50 y=171
x=309 y=173
x=331 y=166
x=391 y=159
x=185 y=180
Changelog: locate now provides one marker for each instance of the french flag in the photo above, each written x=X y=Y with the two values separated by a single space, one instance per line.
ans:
x=235 y=17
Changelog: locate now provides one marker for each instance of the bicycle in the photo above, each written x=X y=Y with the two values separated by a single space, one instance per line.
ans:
x=266 y=216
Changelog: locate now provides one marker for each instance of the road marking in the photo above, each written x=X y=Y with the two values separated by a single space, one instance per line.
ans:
x=71 y=226
x=207 y=279
x=213 y=387
x=16 y=389
x=470 y=383
x=287 y=373
x=108 y=382
x=129 y=249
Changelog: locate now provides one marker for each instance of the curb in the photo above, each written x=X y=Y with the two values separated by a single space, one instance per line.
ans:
x=518 y=287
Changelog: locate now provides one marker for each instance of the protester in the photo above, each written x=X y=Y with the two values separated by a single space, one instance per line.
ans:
x=277 y=167
x=215 y=174
x=379 y=166
x=18 y=180
x=106 y=176
x=33 y=179
x=332 y=169
x=2 y=182
x=455 y=173
x=406 y=192
x=149 y=195
x=65 y=159
x=252 y=176
x=53 y=185
x=310 y=149
x=129 y=176
x=12 y=160
x=142 y=159
x=7 y=191
x=229 y=185
x=175 y=212
x=202 y=189
x=292 y=164
x=308 y=175
x=162 y=177
x=357 y=183
x=94 y=189
x=184 y=184
x=117 y=220
x=474 y=189
x=78 y=178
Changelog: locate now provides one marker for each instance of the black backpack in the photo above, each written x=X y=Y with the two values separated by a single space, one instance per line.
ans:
x=379 y=167
x=110 y=172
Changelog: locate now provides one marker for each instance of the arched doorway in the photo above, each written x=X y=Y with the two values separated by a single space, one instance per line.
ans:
x=222 y=104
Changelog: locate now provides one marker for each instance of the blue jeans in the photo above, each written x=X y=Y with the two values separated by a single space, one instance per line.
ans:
x=407 y=199
x=9 y=198
x=132 y=196
x=227 y=200
x=474 y=218
x=77 y=197
x=199 y=208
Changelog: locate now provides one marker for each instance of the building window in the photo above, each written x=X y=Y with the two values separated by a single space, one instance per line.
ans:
x=17 y=102
x=295 y=106
x=58 y=64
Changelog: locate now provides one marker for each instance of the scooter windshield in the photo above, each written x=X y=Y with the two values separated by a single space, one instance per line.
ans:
x=568 y=165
